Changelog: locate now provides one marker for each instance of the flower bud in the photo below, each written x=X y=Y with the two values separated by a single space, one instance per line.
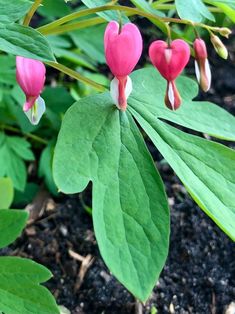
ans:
x=123 y=49
x=30 y=75
x=170 y=60
x=202 y=67
x=219 y=46
x=224 y=31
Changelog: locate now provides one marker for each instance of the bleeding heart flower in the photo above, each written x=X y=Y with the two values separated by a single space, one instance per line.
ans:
x=123 y=48
x=170 y=60
x=202 y=67
x=31 y=75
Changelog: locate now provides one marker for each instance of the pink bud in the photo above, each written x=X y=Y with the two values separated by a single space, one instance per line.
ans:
x=202 y=67
x=30 y=75
x=123 y=48
x=170 y=60
x=172 y=97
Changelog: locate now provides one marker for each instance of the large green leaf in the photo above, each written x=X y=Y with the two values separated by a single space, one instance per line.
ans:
x=207 y=169
x=194 y=10
x=13 y=151
x=6 y=193
x=11 y=11
x=12 y=223
x=130 y=211
x=149 y=91
x=107 y=15
x=24 y=41
x=20 y=290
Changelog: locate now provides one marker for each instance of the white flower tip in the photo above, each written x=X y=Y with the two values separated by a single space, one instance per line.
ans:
x=114 y=90
x=171 y=96
x=36 y=112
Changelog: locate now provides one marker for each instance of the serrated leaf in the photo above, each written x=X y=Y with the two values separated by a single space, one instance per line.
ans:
x=12 y=223
x=207 y=169
x=130 y=212
x=193 y=10
x=107 y=15
x=13 y=152
x=6 y=193
x=20 y=290
x=24 y=41
x=11 y=11
x=149 y=92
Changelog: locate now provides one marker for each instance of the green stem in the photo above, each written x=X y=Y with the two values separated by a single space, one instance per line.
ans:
x=73 y=26
x=75 y=75
x=31 y=12
x=167 y=7
x=29 y=135
x=133 y=11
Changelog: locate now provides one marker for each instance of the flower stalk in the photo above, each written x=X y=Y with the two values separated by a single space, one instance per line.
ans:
x=129 y=10
x=76 y=75
x=31 y=12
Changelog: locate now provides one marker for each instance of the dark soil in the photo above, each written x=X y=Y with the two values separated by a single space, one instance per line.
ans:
x=199 y=276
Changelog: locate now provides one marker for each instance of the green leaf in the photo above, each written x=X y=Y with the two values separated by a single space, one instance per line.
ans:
x=24 y=41
x=194 y=10
x=51 y=9
x=130 y=211
x=207 y=169
x=12 y=11
x=146 y=7
x=13 y=152
x=6 y=193
x=149 y=92
x=229 y=3
x=45 y=167
x=25 y=197
x=90 y=40
x=107 y=15
x=8 y=71
x=20 y=290
x=12 y=223
x=228 y=10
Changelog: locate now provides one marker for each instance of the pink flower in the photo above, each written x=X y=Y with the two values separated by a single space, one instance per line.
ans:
x=202 y=67
x=31 y=75
x=123 y=48
x=170 y=60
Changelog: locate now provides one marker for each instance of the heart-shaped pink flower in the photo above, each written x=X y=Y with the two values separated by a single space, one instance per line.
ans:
x=170 y=60
x=123 y=48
